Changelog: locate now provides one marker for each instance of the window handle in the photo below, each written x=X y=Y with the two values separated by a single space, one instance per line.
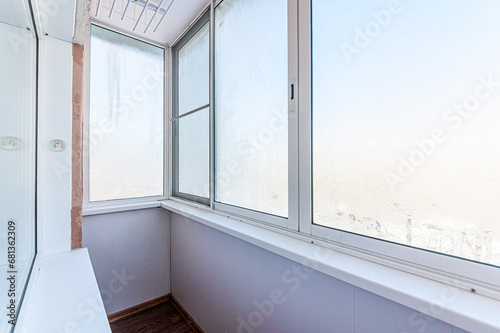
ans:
x=292 y=93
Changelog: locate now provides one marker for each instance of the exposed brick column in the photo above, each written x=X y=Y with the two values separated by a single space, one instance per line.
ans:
x=77 y=147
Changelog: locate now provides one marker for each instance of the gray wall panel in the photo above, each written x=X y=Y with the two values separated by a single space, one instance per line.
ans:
x=228 y=285
x=130 y=253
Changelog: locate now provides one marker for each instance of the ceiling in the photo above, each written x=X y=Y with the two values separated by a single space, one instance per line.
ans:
x=15 y=13
x=179 y=14
x=54 y=18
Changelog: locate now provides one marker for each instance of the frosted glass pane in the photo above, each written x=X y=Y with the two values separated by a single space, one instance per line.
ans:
x=405 y=123
x=194 y=150
x=126 y=117
x=251 y=81
x=194 y=73
x=17 y=161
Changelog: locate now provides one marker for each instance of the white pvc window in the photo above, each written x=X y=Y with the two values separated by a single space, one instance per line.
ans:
x=405 y=100
x=251 y=105
x=391 y=124
x=190 y=121
x=126 y=122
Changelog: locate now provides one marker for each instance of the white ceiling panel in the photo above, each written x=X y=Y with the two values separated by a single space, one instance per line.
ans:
x=15 y=13
x=57 y=18
x=179 y=13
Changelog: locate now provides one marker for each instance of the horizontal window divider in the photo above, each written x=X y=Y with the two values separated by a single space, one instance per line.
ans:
x=192 y=111
x=469 y=311
x=191 y=197
x=247 y=213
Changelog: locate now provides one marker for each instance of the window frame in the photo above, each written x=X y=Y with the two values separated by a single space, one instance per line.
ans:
x=87 y=204
x=291 y=222
x=481 y=278
x=174 y=118
x=467 y=274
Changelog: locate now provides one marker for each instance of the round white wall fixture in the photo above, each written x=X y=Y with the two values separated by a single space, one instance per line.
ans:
x=58 y=145
x=10 y=143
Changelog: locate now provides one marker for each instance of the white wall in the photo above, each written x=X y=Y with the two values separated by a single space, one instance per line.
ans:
x=17 y=167
x=130 y=253
x=218 y=278
x=55 y=117
x=17 y=119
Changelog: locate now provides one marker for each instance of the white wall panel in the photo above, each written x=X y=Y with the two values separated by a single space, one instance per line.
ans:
x=217 y=278
x=226 y=284
x=375 y=314
x=100 y=236
x=55 y=117
x=222 y=282
x=130 y=255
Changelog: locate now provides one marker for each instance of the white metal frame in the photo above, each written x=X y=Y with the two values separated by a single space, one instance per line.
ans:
x=472 y=276
x=290 y=222
x=200 y=21
x=475 y=277
x=86 y=135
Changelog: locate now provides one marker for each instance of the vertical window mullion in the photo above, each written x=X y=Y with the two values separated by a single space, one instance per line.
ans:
x=293 y=110
x=304 y=117
x=212 y=108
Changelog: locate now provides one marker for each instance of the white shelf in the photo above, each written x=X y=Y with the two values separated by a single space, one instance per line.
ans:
x=63 y=296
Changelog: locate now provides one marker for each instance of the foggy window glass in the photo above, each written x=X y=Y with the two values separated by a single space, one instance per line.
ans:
x=192 y=138
x=194 y=73
x=251 y=126
x=194 y=160
x=126 y=138
x=405 y=122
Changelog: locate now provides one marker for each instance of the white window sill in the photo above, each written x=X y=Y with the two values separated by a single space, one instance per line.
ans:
x=116 y=208
x=63 y=296
x=458 y=307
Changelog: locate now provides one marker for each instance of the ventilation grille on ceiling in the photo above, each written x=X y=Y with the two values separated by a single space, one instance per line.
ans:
x=157 y=10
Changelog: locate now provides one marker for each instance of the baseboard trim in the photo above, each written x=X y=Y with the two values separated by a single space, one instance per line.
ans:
x=138 y=308
x=186 y=315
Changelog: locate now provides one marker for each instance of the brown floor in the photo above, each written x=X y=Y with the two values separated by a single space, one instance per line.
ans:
x=158 y=319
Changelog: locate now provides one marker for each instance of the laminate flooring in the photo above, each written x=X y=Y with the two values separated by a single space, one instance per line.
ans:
x=161 y=318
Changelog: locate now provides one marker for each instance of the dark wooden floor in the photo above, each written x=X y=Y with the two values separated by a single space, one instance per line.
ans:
x=158 y=319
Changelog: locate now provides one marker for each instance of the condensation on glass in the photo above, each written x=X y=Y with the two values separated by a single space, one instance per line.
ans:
x=405 y=123
x=18 y=75
x=126 y=125
x=194 y=72
x=251 y=122
x=194 y=160
x=193 y=138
